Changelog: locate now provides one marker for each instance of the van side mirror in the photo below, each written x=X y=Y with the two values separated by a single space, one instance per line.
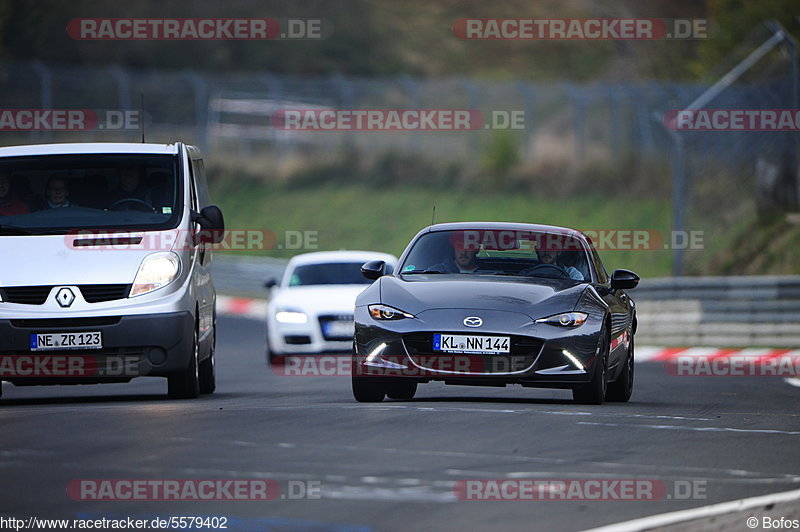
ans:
x=212 y=225
x=373 y=269
x=269 y=284
x=622 y=279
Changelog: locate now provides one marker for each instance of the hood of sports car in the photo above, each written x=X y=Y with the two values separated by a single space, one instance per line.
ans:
x=535 y=297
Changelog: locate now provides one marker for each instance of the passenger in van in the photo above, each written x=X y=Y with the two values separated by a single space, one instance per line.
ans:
x=57 y=193
x=128 y=185
x=10 y=204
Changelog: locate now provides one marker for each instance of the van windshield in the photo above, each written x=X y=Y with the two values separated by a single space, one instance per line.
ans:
x=57 y=194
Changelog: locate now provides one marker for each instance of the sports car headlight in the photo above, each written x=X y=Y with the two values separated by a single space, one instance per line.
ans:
x=385 y=312
x=568 y=319
x=291 y=316
x=156 y=271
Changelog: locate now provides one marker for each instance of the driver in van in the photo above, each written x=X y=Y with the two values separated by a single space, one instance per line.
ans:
x=128 y=185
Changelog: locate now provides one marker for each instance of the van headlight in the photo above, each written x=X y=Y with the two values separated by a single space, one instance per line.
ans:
x=157 y=271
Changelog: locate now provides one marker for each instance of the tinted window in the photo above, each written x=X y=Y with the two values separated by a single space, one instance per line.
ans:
x=54 y=194
x=329 y=273
x=499 y=252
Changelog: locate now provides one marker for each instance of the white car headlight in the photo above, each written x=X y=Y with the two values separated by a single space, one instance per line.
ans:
x=291 y=316
x=567 y=319
x=156 y=271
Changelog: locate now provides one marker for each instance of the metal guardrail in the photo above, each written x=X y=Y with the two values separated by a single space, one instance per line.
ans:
x=245 y=276
x=683 y=311
x=719 y=311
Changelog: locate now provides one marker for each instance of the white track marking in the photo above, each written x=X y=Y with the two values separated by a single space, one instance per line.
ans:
x=697 y=429
x=681 y=516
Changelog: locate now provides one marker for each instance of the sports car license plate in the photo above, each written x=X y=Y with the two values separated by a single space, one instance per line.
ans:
x=456 y=343
x=70 y=340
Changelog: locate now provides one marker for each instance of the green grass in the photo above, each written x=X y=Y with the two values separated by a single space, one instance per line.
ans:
x=385 y=219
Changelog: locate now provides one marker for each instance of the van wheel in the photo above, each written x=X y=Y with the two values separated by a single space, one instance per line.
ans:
x=186 y=385
x=208 y=372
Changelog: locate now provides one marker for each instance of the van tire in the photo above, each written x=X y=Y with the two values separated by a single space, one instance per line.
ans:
x=186 y=384
x=208 y=372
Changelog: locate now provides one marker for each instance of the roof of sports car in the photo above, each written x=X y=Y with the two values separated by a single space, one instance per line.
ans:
x=501 y=226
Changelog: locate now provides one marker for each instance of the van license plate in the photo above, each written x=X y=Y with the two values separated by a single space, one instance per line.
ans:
x=70 y=340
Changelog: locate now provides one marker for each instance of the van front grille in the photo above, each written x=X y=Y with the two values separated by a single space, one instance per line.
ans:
x=25 y=295
x=37 y=295
x=97 y=293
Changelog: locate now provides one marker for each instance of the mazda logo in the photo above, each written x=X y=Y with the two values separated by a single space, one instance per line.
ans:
x=65 y=297
x=473 y=321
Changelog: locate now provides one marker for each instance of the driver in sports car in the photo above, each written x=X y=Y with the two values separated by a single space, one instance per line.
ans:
x=552 y=256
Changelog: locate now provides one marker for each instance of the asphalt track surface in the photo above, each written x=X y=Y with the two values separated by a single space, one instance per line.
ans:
x=394 y=465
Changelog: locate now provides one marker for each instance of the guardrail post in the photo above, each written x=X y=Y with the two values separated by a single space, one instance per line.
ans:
x=46 y=91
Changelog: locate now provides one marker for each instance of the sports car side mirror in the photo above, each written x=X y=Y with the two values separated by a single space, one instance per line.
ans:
x=373 y=269
x=269 y=284
x=622 y=279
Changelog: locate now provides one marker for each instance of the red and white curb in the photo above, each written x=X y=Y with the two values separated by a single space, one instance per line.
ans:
x=671 y=354
x=242 y=307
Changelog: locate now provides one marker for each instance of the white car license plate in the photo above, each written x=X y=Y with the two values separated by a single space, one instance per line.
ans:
x=340 y=328
x=456 y=343
x=70 y=340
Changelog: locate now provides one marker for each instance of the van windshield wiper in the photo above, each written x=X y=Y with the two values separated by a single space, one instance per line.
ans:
x=14 y=230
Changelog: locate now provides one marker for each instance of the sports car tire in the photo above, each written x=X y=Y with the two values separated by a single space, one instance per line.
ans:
x=620 y=390
x=594 y=392
x=368 y=389
x=401 y=389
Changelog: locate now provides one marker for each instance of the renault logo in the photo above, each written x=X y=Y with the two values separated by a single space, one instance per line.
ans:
x=65 y=297
x=473 y=321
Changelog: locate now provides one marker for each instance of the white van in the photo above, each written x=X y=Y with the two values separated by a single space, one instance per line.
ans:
x=106 y=265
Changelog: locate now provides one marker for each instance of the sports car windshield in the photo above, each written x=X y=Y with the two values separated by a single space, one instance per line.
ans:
x=328 y=273
x=63 y=193
x=499 y=252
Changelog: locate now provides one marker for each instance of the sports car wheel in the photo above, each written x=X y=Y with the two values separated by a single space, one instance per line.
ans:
x=401 y=389
x=620 y=390
x=594 y=392
x=368 y=389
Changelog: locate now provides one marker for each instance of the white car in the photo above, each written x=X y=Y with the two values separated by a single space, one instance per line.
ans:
x=311 y=310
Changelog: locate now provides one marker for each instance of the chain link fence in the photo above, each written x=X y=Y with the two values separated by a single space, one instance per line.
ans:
x=717 y=178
